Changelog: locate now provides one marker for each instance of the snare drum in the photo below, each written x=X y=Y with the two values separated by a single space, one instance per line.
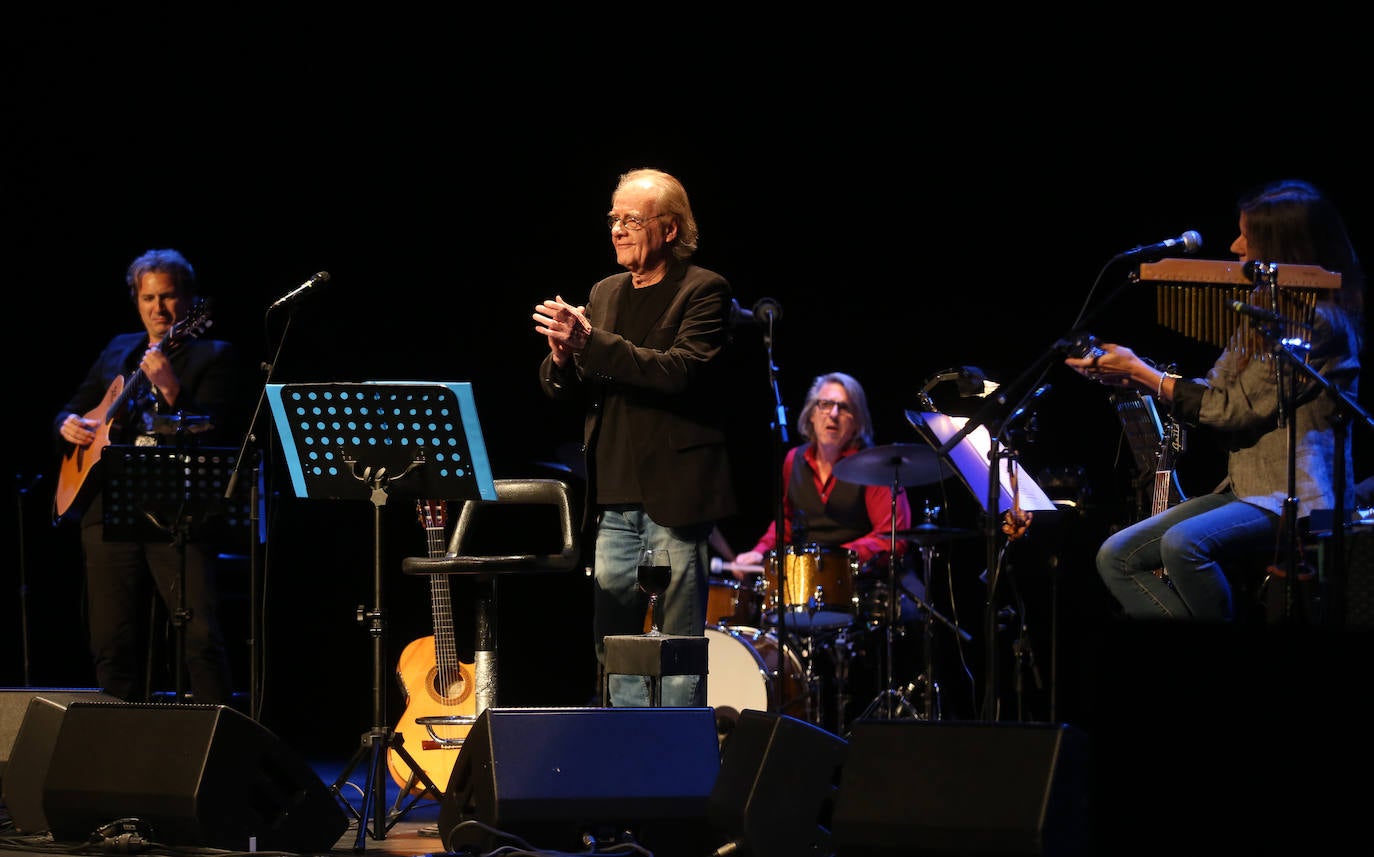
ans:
x=744 y=674
x=820 y=586
x=732 y=602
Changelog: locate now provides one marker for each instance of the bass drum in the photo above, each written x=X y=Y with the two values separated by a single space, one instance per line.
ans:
x=744 y=675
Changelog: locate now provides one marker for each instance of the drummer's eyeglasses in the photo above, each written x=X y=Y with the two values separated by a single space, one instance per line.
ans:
x=632 y=222
x=826 y=405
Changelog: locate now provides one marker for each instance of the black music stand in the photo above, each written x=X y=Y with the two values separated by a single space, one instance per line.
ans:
x=367 y=441
x=149 y=493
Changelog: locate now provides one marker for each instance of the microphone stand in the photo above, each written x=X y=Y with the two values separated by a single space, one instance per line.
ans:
x=1285 y=353
x=988 y=415
x=780 y=442
x=249 y=437
x=22 y=491
x=990 y=672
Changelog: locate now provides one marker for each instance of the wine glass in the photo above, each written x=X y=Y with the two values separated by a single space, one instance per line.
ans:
x=655 y=572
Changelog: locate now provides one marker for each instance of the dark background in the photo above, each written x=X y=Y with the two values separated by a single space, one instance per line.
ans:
x=908 y=214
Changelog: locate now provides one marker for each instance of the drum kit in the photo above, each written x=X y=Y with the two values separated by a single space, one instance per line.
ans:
x=824 y=608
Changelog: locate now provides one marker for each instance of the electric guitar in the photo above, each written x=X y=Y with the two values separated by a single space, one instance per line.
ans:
x=434 y=681
x=1166 y=484
x=74 y=488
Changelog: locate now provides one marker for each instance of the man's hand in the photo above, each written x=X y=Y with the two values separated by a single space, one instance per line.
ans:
x=564 y=325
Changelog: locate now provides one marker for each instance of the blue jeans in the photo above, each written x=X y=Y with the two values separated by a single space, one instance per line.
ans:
x=1192 y=542
x=619 y=606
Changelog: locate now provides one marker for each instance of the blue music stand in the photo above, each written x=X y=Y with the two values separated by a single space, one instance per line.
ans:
x=389 y=427
x=367 y=441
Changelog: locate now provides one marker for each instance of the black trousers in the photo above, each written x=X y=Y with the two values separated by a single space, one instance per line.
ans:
x=117 y=578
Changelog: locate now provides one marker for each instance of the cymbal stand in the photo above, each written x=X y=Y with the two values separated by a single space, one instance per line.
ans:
x=891 y=702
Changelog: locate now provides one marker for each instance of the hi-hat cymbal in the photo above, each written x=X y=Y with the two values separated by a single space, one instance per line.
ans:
x=903 y=463
x=931 y=534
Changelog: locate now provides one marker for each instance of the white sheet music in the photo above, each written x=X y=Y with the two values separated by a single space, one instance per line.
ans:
x=970 y=458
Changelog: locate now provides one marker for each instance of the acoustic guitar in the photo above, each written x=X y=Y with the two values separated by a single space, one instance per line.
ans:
x=74 y=486
x=434 y=681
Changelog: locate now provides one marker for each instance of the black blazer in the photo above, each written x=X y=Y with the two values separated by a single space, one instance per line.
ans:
x=211 y=386
x=672 y=384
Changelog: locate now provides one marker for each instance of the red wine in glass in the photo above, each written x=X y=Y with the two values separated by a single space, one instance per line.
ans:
x=654 y=575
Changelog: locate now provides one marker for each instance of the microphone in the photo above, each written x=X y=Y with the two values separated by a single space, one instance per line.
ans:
x=321 y=277
x=718 y=565
x=765 y=310
x=1020 y=412
x=1266 y=316
x=1188 y=242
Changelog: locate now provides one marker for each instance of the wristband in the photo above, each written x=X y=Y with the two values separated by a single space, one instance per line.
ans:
x=1159 y=391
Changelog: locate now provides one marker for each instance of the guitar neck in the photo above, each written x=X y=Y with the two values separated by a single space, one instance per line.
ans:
x=134 y=384
x=441 y=606
x=441 y=603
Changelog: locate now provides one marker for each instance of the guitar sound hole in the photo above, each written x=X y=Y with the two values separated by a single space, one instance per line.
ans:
x=449 y=688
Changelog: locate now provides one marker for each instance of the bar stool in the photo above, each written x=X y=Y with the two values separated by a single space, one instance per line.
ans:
x=654 y=657
x=495 y=558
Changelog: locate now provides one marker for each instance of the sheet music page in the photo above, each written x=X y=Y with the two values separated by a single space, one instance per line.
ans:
x=970 y=458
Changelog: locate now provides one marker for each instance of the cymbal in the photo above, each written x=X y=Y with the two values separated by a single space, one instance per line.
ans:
x=930 y=534
x=905 y=463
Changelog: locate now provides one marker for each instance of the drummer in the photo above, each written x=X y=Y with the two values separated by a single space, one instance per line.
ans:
x=819 y=508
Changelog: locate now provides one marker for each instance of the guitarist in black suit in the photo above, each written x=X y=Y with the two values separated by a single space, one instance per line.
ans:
x=151 y=388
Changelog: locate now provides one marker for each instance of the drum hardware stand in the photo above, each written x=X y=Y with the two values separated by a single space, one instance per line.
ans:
x=892 y=702
x=811 y=682
x=843 y=654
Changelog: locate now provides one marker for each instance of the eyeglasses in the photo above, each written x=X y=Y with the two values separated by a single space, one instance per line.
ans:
x=825 y=406
x=633 y=222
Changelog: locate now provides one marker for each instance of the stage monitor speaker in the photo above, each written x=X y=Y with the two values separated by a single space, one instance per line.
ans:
x=14 y=704
x=775 y=795
x=195 y=775
x=949 y=788
x=1355 y=609
x=565 y=778
x=29 y=721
